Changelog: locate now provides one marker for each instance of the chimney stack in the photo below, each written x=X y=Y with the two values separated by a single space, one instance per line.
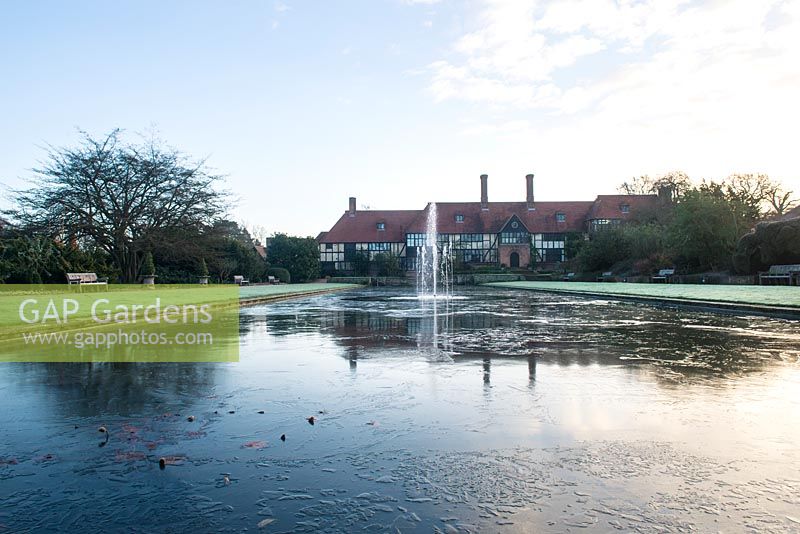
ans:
x=484 y=192
x=529 y=188
x=352 y=211
x=666 y=193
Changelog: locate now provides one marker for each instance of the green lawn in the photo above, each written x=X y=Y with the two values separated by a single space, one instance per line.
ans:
x=285 y=290
x=46 y=308
x=753 y=295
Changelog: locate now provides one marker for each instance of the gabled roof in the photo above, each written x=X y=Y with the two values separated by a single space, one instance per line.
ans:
x=363 y=227
x=543 y=218
x=793 y=213
x=491 y=221
x=610 y=206
x=508 y=226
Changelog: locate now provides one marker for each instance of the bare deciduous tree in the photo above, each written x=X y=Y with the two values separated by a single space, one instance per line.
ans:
x=677 y=181
x=115 y=195
x=760 y=192
x=638 y=185
x=781 y=201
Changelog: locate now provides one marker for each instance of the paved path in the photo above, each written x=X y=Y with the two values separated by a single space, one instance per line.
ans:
x=257 y=294
x=772 y=300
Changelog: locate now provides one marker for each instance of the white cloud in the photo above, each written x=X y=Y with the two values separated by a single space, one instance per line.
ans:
x=504 y=128
x=520 y=49
x=280 y=7
x=702 y=84
x=507 y=60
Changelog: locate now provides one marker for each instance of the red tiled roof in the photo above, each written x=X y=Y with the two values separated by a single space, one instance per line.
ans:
x=363 y=227
x=610 y=206
x=491 y=221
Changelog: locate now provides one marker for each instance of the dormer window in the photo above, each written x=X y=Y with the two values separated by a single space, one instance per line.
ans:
x=381 y=226
x=625 y=208
x=459 y=218
x=561 y=217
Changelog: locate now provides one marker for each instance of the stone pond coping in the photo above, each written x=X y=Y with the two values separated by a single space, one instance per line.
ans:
x=777 y=301
x=249 y=295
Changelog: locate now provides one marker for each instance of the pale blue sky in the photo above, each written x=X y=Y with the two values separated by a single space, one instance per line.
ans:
x=398 y=102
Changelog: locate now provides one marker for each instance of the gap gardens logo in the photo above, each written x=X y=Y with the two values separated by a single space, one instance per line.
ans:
x=166 y=323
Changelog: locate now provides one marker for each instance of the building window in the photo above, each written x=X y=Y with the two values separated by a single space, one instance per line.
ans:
x=459 y=218
x=328 y=246
x=349 y=252
x=561 y=217
x=416 y=240
x=381 y=226
x=378 y=247
x=599 y=224
x=625 y=208
x=514 y=238
x=549 y=248
x=472 y=256
x=470 y=238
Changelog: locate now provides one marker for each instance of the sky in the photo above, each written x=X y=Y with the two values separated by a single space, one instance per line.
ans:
x=302 y=104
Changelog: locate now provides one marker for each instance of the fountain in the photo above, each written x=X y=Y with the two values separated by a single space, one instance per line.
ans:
x=435 y=283
x=434 y=266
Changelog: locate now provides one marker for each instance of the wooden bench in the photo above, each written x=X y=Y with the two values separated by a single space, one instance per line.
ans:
x=780 y=274
x=605 y=276
x=663 y=275
x=83 y=279
x=241 y=280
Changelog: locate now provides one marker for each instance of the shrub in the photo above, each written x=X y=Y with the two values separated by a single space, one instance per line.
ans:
x=280 y=273
x=361 y=264
x=299 y=255
x=387 y=265
x=768 y=244
x=148 y=267
x=605 y=248
x=574 y=242
x=705 y=230
x=645 y=241
x=171 y=274
x=652 y=263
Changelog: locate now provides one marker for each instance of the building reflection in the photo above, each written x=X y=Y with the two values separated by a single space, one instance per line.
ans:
x=652 y=339
x=531 y=371
x=84 y=389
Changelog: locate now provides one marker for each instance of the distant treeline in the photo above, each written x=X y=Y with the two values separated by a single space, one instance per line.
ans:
x=698 y=228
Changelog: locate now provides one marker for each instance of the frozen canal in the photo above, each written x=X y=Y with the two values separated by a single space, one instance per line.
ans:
x=507 y=411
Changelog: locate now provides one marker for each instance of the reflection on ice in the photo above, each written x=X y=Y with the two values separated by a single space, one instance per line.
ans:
x=430 y=297
x=500 y=411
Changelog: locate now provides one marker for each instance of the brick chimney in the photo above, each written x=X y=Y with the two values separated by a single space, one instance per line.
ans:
x=484 y=192
x=352 y=210
x=666 y=194
x=529 y=189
